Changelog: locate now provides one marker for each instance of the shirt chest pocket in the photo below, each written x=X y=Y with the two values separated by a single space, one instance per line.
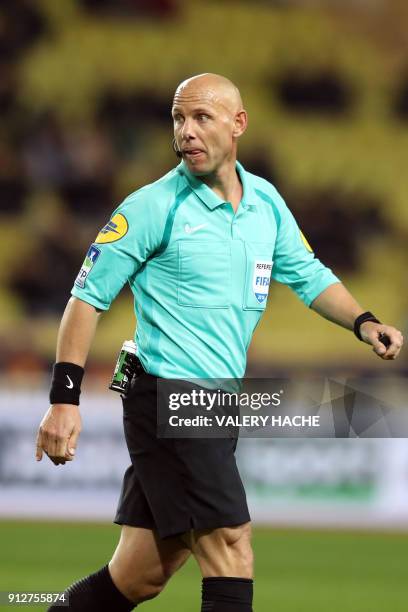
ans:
x=204 y=274
x=257 y=274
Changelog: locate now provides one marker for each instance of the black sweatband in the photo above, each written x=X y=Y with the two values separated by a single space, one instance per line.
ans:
x=366 y=316
x=66 y=383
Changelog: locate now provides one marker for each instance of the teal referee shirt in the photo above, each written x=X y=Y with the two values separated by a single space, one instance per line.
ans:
x=200 y=273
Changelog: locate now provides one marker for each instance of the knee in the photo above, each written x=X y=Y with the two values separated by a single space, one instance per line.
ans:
x=237 y=537
x=143 y=591
x=226 y=552
x=145 y=586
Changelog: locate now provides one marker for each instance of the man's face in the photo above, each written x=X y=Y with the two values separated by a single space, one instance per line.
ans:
x=203 y=129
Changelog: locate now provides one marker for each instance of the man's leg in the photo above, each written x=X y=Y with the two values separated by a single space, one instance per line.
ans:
x=139 y=569
x=143 y=563
x=225 y=559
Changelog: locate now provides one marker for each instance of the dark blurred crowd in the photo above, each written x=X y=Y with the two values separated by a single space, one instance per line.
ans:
x=78 y=164
x=39 y=155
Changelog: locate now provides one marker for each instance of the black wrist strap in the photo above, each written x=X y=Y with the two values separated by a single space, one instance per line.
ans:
x=366 y=316
x=66 y=383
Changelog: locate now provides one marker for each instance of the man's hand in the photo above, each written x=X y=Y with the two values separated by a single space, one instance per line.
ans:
x=58 y=433
x=371 y=332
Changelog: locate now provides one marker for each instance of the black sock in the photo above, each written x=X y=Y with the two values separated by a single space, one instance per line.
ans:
x=96 y=592
x=227 y=595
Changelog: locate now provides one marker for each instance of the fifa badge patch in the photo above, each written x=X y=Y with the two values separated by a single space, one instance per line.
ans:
x=114 y=230
x=89 y=262
x=261 y=279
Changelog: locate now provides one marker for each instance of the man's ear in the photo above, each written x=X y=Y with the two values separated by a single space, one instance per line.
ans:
x=240 y=123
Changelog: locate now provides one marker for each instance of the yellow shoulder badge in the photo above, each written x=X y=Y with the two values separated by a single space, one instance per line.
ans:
x=114 y=230
x=305 y=242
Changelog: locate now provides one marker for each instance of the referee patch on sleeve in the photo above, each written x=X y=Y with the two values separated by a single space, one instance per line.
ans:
x=114 y=230
x=305 y=242
x=89 y=262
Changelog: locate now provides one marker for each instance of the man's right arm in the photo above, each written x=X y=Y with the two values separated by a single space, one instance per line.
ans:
x=60 y=428
x=132 y=235
x=76 y=332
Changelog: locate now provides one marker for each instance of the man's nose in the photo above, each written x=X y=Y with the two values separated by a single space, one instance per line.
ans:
x=187 y=131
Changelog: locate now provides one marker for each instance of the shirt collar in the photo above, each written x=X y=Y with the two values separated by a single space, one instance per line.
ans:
x=209 y=197
x=249 y=197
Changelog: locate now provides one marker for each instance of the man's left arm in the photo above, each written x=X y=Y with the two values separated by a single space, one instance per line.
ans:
x=295 y=265
x=338 y=305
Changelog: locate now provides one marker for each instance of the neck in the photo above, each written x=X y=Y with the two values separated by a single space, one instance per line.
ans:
x=225 y=182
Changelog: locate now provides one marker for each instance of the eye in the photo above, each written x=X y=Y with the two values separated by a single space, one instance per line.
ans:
x=202 y=117
x=177 y=118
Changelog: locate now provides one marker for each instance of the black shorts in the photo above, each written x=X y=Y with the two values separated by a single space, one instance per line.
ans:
x=175 y=485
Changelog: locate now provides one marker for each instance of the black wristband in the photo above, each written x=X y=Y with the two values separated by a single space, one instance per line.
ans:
x=66 y=383
x=366 y=316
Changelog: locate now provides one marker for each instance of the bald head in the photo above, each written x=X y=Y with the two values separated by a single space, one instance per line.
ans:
x=208 y=119
x=213 y=88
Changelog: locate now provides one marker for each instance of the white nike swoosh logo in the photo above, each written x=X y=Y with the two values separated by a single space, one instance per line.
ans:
x=190 y=230
x=70 y=384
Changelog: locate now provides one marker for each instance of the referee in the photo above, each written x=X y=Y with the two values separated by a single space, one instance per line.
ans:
x=198 y=248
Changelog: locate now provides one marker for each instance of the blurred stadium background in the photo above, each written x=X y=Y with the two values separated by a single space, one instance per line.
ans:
x=85 y=92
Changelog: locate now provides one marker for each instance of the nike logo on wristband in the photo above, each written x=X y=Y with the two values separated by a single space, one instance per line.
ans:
x=70 y=384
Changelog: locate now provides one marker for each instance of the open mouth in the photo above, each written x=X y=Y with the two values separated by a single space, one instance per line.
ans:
x=192 y=153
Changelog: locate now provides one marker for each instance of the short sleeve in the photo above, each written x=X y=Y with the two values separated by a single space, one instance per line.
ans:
x=130 y=237
x=294 y=262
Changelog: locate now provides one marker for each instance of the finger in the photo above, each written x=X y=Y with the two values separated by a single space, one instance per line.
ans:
x=51 y=450
x=72 y=443
x=44 y=442
x=384 y=339
x=395 y=345
x=52 y=446
x=61 y=446
x=392 y=354
x=378 y=347
x=55 y=460
x=38 y=447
